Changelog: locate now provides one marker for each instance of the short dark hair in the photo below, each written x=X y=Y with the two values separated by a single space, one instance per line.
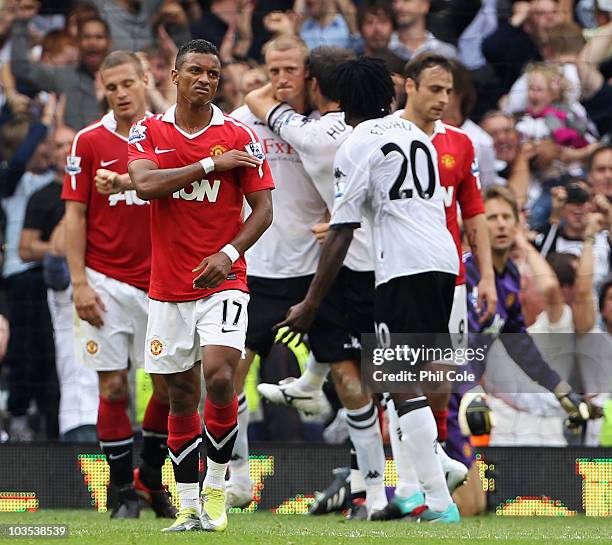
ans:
x=117 y=58
x=415 y=67
x=375 y=7
x=563 y=266
x=603 y=292
x=322 y=64
x=463 y=87
x=593 y=155
x=93 y=19
x=365 y=88
x=195 y=46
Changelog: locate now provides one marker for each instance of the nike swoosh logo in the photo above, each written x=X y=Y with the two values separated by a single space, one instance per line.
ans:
x=108 y=163
x=117 y=456
x=158 y=151
x=223 y=330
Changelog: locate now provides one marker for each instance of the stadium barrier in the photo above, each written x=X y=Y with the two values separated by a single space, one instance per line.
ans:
x=520 y=481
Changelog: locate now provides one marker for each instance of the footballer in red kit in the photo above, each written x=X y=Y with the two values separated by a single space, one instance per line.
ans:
x=109 y=257
x=197 y=166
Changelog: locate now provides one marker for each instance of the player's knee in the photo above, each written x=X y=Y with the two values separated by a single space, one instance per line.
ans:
x=220 y=382
x=113 y=385
x=349 y=389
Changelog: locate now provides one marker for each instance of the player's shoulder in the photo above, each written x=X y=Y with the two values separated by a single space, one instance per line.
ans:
x=244 y=114
x=90 y=133
x=457 y=134
x=238 y=128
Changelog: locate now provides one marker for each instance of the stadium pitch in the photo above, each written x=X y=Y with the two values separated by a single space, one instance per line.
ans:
x=90 y=528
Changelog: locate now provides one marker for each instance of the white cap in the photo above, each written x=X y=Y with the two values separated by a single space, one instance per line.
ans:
x=605 y=5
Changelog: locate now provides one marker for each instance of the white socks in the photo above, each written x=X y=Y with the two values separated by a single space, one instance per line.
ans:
x=215 y=474
x=189 y=495
x=407 y=480
x=239 y=464
x=419 y=433
x=314 y=375
x=364 y=432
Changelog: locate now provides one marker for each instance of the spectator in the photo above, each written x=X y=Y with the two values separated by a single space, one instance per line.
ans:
x=514 y=160
x=412 y=36
x=223 y=19
x=252 y=79
x=548 y=114
x=81 y=11
x=59 y=48
x=599 y=171
x=457 y=113
x=30 y=358
x=563 y=44
x=514 y=43
x=76 y=82
x=173 y=18
x=596 y=91
x=327 y=22
x=569 y=226
x=375 y=22
x=448 y=19
x=129 y=21
x=42 y=230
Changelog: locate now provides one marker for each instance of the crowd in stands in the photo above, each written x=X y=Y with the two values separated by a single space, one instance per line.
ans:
x=533 y=89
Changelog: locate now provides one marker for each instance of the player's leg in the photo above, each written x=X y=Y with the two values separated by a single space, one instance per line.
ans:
x=364 y=431
x=431 y=294
x=270 y=301
x=222 y=325
x=148 y=474
x=240 y=486
x=117 y=439
x=171 y=350
x=106 y=349
x=184 y=439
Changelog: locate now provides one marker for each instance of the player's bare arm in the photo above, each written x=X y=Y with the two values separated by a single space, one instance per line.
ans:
x=478 y=237
x=152 y=182
x=215 y=268
x=301 y=316
x=261 y=101
x=87 y=301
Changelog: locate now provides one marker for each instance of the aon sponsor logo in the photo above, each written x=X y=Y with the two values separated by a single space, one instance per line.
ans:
x=129 y=197
x=199 y=191
x=448 y=195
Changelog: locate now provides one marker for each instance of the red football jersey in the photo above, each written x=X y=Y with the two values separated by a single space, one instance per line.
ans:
x=118 y=226
x=459 y=177
x=200 y=219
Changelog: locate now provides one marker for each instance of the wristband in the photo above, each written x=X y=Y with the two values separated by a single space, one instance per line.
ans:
x=208 y=164
x=230 y=252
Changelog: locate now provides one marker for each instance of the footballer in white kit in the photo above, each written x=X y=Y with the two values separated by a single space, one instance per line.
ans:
x=348 y=308
x=389 y=175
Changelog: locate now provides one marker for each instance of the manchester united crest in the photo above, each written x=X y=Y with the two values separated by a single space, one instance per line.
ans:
x=218 y=149
x=156 y=347
x=448 y=160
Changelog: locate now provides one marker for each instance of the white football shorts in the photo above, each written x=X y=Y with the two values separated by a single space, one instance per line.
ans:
x=176 y=331
x=122 y=337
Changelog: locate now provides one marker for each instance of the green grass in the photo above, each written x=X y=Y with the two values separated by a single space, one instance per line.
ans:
x=90 y=528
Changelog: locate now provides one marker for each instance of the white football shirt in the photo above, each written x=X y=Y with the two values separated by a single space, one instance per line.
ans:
x=316 y=141
x=387 y=171
x=288 y=248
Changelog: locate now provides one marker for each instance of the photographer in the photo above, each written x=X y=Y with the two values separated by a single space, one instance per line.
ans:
x=569 y=220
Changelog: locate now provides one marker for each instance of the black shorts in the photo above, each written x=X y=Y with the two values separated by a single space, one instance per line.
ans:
x=271 y=298
x=419 y=303
x=347 y=312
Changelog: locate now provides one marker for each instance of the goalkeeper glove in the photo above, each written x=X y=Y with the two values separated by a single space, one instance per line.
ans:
x=578 y=409
x=475 y=416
